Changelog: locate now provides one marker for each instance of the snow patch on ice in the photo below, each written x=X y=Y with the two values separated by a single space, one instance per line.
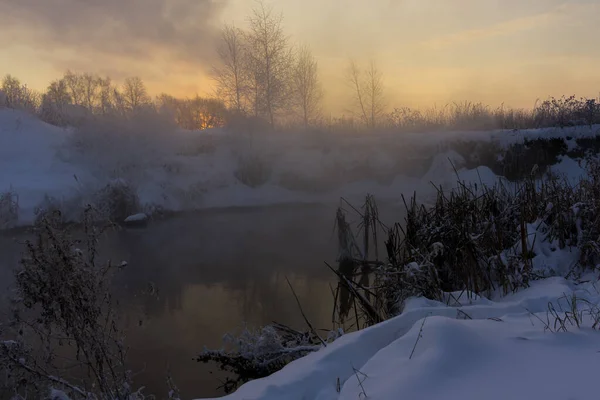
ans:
x=136 y=218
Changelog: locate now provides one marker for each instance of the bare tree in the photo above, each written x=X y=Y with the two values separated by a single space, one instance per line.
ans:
x=307 y=88
x=55 y=103
x=134 y=93
x=106 y=96
x=11 y=87
x=91 y=91
x=375 y=96
x=368 y=92
x=270 y=61
x=232 y=76
x=19 y=96
x=76 y=87
x=355 y=80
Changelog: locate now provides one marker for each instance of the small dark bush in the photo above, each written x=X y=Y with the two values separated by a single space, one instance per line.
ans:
x=117 y=201
x=253 y=170
x=9 y=209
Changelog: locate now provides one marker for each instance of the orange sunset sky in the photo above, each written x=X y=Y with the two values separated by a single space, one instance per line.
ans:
x=430 y=51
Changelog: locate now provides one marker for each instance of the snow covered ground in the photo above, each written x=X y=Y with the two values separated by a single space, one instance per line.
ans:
x=510 y=348
x=182 y=170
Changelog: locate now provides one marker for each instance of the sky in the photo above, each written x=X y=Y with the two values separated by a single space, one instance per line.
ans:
x=429 y=51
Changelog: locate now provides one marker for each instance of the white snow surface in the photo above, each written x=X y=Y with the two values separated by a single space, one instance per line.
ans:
x=503 y=352
x=186 y=170
x=136 y=218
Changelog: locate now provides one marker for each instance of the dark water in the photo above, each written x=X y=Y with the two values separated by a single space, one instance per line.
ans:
x=213 y=271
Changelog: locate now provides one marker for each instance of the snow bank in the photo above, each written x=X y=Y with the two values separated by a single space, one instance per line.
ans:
x=504 y=351
x=184 y=170
x=29 y=166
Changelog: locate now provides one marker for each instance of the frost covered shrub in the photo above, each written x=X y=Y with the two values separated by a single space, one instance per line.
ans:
x=49 y=209
x=9 y=209
x=117 y=200
x=257 y=353
x=567 y=111
x=253 y=170
x=64 y=316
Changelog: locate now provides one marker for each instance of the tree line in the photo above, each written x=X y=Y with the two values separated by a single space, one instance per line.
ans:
x=261 y=75
x=75 y=97
x=264 y=75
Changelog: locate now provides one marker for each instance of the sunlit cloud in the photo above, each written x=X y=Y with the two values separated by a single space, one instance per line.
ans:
x=430 y=51
x=102 y=31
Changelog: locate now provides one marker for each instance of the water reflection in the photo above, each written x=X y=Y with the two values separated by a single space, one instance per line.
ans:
x=209 y=273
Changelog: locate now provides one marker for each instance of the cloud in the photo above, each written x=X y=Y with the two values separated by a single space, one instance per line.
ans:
x=138 y=30
x=504 y=28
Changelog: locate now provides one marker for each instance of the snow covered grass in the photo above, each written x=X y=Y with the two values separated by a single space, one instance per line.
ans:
x=475 y=238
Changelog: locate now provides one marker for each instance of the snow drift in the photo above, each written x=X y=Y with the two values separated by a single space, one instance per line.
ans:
x=512 y=347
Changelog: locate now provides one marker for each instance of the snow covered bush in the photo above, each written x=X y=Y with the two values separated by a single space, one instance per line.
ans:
x=567 y=111
x=64 y=316
x=50 y=208
x=116 y=201
x=18 y=96
x=9 y=209
x=256 y=353
x=253 y=170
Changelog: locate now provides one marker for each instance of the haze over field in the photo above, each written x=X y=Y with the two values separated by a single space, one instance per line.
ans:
x=430 y=51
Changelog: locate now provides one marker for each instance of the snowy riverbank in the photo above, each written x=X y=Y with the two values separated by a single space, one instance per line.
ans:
x=170 y=169
x=513 y=347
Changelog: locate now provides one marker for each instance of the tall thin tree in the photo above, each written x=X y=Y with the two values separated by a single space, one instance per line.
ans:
x=270 y=61
x=308 y=92
x=368 y=92
x=375 y=95
x=232 y=75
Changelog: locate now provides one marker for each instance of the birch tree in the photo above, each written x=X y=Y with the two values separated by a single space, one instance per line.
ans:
x=232 y=75
x=367 y=87
x=307 y=88
x=270 y=61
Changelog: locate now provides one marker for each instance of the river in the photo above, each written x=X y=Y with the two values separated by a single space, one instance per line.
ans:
x=209 y=273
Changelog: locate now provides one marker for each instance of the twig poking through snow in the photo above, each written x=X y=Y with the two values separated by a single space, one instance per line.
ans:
x=418 y=337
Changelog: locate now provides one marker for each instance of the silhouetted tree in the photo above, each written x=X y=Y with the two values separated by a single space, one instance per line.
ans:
x=135 y=94
x=368 y=92
x=75 y=86
x=19 y=96
x=55 y=103
x=270 y=62
x=307 y=91
x=232 y=75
